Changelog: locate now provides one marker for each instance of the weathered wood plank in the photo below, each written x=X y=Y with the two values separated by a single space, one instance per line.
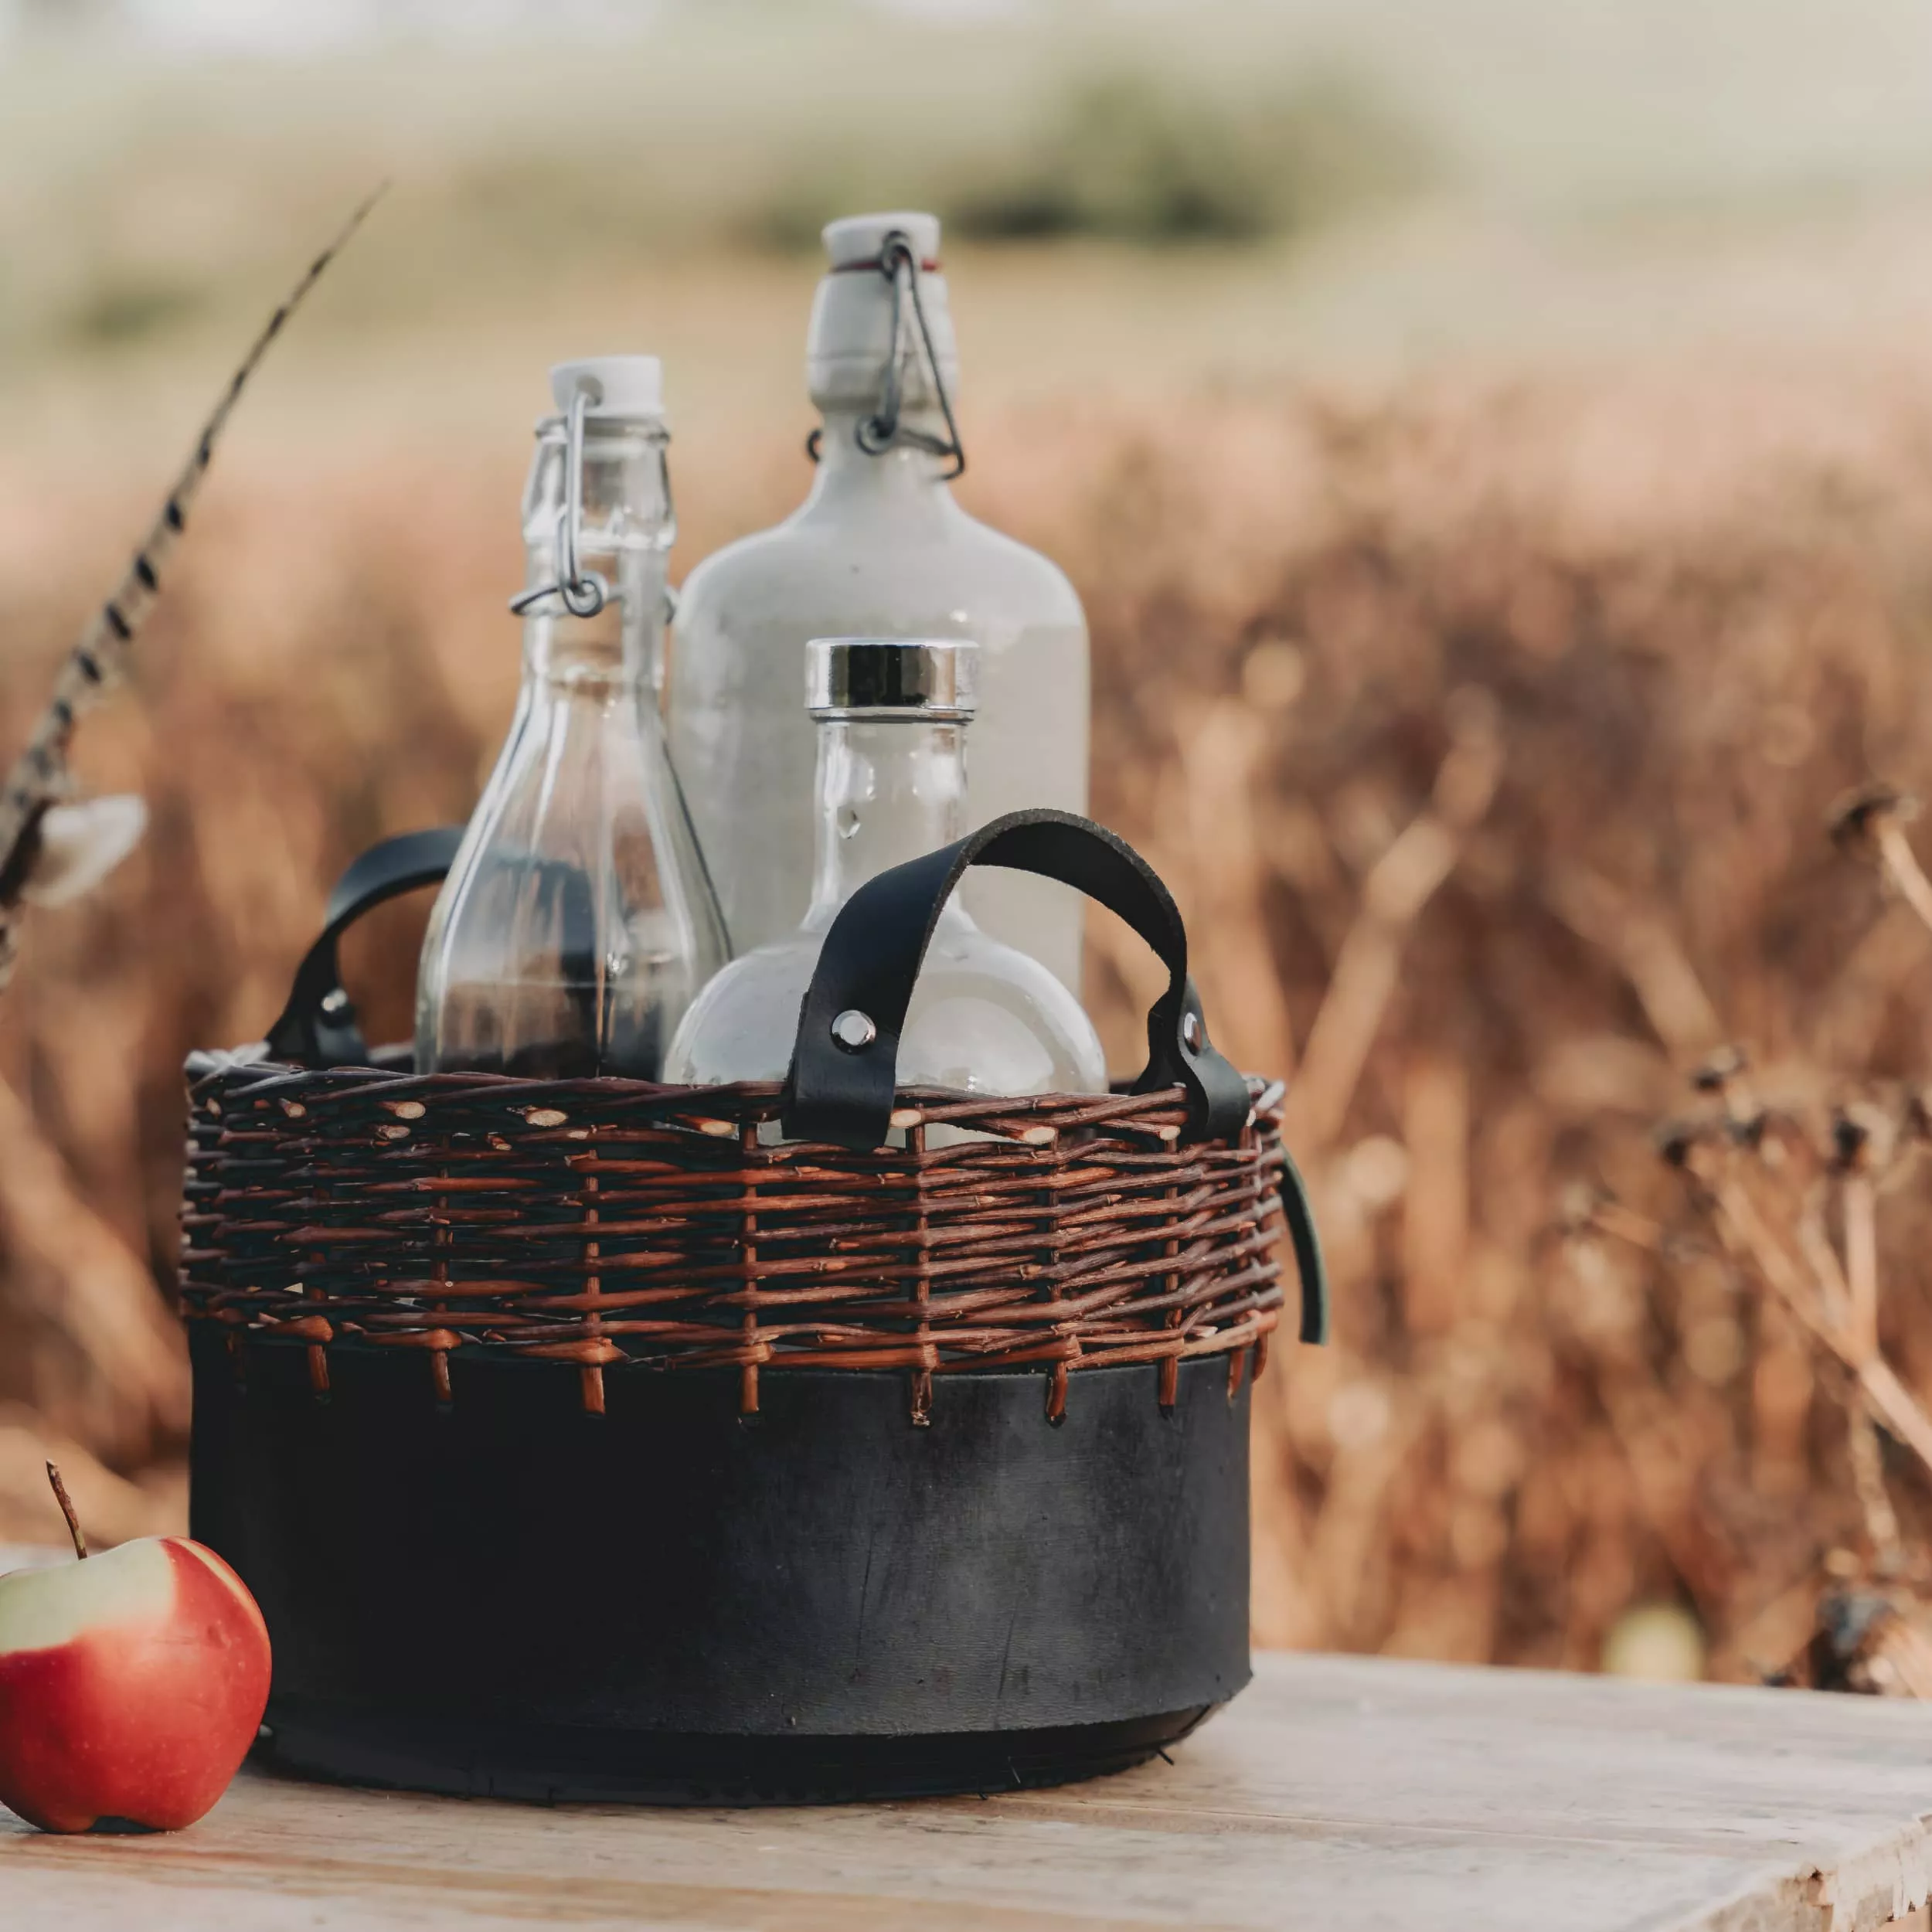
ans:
x=1337 y=1793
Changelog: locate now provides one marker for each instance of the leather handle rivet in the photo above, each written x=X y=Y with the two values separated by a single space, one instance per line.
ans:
x=853 y=1030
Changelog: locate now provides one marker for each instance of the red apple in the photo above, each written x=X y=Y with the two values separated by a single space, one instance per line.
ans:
x=131 y=1686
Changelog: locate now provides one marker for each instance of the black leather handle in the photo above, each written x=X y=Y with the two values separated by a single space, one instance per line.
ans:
x=872 y=953
x=318 y=1027
x=872 y=957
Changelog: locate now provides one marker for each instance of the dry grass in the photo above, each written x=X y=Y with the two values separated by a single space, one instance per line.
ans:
x=1512 y=713
x=1698 y=610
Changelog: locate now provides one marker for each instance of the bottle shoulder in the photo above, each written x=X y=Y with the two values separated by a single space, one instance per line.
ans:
x=984 y=1017
x=743 y=558
x=958 y=570
x=1023 y=556
x=740 y=1025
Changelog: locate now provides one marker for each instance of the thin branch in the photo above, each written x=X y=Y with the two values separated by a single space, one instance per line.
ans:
x=1816 y=1245
x=1868 y=1479
x=1871 y=822
x=1861 y=1263
x=1398 y=884
x=1902 y=868
x=1648 y=953
x=1637 y=1230
x=1888 y=1399
x=1740 y=1213
x=1896 y=1406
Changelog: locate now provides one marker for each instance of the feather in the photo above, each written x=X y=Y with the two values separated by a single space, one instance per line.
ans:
x=75 y=846
x=39 y=780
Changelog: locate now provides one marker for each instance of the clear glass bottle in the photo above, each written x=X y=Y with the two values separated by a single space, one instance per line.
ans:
x=985 y=1018
x=879 y=549
x=578 y=920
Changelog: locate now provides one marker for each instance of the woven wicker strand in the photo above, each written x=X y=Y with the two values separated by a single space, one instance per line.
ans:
x=600 y=1222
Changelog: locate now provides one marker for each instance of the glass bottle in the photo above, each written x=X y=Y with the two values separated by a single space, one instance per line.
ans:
x=879 y=548
x=578 y=920
x=985 y=1018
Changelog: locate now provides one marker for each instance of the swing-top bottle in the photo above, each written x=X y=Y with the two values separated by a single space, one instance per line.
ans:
x=880 y=548
x=578 y=921
x=891 y=717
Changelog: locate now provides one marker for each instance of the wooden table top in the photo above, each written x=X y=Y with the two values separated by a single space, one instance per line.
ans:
x=1334 y=1794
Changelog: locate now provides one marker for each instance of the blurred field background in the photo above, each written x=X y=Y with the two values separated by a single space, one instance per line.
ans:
x=1493 y=442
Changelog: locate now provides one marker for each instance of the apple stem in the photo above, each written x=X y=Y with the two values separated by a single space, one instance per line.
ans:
x=66 y=1509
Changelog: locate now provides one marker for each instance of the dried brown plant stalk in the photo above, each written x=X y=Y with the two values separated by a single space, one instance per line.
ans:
x=1747 y=1185
x=40 y=781
x=1874 y=1501
x=1761 y=1183
x=1398 y=885
x=1871 y=821
x=1770 y=1187
x=1791 y=1202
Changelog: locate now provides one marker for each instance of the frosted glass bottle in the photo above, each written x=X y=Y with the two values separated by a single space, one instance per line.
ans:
x=577 y=921
x=879 y=548
x=891 y=785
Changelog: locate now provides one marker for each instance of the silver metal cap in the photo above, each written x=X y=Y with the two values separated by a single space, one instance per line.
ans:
x=891 y=677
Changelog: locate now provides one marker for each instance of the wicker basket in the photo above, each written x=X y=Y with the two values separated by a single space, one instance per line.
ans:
x=458 y=1338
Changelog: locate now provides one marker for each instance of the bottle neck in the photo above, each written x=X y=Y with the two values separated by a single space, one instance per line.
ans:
x=904 y=481
x=621 y=648
x=623 y=531
x=888 y=791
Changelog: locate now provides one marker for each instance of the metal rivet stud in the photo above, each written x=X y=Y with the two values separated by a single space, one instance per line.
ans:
x=334 y=1002
x=1191 y=1032
x=853 y=1030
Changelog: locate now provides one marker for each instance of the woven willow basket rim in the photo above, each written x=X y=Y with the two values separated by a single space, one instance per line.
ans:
x=609 y=1222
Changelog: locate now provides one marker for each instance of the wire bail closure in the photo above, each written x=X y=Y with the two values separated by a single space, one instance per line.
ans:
x=584 y=592
x=898 y=263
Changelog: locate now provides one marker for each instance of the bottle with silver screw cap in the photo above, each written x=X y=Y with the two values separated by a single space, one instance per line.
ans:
x=892 y=717
x=880 y=548
x=578 y=920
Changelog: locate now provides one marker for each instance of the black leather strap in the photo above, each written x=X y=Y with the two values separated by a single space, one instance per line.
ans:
x=1298 y=1211
x=872 y=957
x=318 y=1027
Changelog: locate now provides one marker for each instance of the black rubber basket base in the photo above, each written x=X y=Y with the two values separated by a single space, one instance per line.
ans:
x=560 y=1765
x=671 y=1602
